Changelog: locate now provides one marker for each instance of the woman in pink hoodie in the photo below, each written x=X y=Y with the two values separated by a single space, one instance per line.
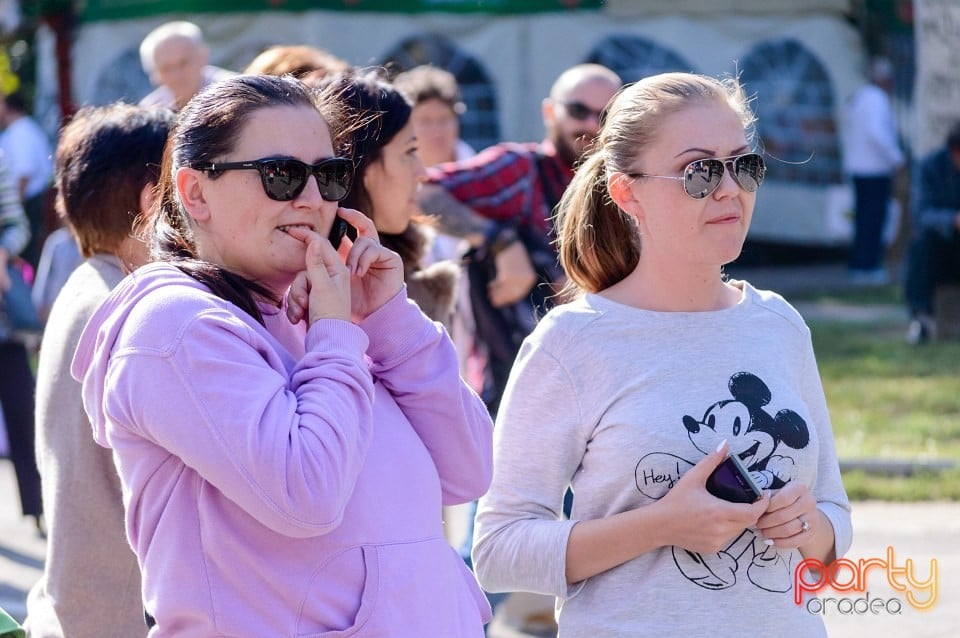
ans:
x=285 y=423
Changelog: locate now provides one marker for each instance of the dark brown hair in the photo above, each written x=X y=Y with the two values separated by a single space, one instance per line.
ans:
x=105 y=157
x=207 y=130
x=377 y=111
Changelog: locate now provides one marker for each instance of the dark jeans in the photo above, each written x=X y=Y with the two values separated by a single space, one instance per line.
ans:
x=932 y=259
x=16 y=395
x=35 y=208
x=467 y=547
x=871 y=202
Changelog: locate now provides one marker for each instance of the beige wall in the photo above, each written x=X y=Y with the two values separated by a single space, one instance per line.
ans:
x=524 y=54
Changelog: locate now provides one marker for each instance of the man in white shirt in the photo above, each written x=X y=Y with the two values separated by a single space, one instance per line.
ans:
x=871 y=156
x=28 y=155
x=175 y=57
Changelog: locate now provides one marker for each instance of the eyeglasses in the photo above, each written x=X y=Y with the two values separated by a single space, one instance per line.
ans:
x=284 y=179
x=703 y=176
x=580 y=111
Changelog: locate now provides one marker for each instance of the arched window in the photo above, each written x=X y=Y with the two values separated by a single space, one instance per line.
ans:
x=795 y=110
x=633 y=58
x=123 y=79
x=479 y=126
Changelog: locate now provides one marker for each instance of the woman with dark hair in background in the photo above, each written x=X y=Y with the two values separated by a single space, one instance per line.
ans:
x=285 y=424
x=387 y=174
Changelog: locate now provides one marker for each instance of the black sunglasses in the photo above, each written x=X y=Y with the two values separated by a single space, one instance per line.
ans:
x=703 y=176
x=580 y=111
x=285 y=179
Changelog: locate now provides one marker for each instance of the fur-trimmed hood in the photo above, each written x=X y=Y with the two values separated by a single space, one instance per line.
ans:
x=434 y=288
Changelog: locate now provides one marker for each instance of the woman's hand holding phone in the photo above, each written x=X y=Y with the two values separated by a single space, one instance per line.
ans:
x=792 y=517
x=699 y=521
x=376 y=272
x=322 y=289
x=372 y=274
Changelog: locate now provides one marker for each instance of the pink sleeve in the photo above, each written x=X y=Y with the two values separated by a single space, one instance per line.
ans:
x=415 y=359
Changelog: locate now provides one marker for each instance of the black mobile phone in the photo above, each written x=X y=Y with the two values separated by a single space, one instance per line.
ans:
x=732 y=482
x=340 y=229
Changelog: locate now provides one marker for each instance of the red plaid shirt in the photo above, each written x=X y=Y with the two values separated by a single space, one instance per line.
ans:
x=503 y=182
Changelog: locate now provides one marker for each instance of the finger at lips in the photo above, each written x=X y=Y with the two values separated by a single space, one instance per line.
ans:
x=302 y=234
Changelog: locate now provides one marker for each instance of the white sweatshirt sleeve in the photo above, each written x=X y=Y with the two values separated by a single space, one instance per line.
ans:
x=520 y=538
x=828 y=489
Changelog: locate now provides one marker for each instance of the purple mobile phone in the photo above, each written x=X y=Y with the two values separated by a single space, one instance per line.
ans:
x=732 y=482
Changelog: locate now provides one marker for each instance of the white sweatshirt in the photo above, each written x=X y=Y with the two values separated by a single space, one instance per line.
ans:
x=617 y=403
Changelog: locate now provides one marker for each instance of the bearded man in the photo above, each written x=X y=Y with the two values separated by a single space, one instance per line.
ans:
x=511 y=187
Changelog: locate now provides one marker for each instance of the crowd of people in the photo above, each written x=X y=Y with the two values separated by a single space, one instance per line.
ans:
x=258 y=390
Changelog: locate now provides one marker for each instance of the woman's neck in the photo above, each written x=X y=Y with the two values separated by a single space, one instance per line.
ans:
x=690 y=289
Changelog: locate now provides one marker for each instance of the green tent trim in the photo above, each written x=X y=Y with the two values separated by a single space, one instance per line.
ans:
x=100 y=10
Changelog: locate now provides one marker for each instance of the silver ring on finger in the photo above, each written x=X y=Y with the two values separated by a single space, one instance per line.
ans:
x=804 y=525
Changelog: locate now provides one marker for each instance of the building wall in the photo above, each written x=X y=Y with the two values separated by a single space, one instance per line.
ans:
x=801 y=66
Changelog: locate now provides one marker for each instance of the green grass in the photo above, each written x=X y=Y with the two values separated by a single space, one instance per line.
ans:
x=889 y=400
x=929 y=486
x=890 y=294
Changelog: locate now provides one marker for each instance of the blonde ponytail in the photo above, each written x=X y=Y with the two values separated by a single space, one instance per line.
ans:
x=598 y=243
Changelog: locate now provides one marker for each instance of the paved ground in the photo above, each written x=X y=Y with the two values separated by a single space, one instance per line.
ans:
x=21 y=550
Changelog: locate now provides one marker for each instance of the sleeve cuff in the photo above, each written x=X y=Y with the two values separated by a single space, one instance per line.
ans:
x=568 y=590
x=839 y=518
x=394 y=327
x=331 y=335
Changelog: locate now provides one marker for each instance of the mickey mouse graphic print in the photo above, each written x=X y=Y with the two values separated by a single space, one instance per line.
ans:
x=762 y=441
x=618 y=403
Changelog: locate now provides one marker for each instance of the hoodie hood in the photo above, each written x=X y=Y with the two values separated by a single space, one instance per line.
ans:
x=92 y=358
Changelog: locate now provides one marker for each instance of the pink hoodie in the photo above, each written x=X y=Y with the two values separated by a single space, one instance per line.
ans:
x=279 y=482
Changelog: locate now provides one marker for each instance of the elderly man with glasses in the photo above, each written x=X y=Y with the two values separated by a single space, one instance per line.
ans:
x=175 y=57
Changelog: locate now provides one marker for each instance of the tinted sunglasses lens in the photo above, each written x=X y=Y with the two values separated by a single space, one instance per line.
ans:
x=283 y=179
x=702 y=177
x=334 y=178
x=578 y=110
x=749 y=170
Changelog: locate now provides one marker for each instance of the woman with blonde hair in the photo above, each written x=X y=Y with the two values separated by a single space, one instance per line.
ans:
x=659 y=372
x=388 y=170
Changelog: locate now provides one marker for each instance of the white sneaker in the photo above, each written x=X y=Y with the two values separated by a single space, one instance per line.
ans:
x=921 y=330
